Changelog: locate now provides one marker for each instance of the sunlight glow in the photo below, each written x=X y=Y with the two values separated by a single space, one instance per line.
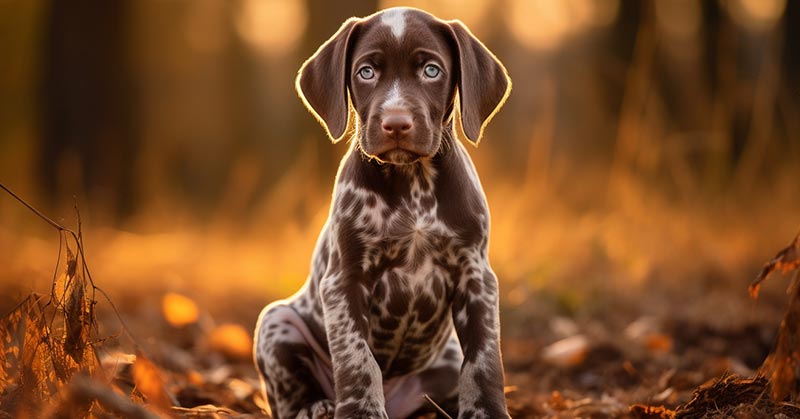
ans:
x=545 y=25
x=756 y=15
x=272 y=26
x=471 y=12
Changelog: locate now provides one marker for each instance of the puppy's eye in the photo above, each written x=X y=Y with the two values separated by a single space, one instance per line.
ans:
x=432 y=71
x=366 y=72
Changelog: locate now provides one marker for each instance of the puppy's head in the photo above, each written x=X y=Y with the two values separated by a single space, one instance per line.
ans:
x=398 y=76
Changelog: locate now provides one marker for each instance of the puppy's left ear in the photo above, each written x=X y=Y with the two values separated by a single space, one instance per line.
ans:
x=322 y=82
x=483 y=83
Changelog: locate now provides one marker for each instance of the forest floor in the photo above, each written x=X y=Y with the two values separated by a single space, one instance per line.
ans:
x=144 y=337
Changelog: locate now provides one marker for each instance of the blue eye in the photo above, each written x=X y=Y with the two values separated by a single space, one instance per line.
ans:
x=432 y=71
x=366 y=72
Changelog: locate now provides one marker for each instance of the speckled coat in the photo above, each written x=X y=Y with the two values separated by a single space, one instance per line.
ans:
x=401 y=300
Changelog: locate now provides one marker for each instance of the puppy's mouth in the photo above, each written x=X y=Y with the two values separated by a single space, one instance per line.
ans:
x=398 y=156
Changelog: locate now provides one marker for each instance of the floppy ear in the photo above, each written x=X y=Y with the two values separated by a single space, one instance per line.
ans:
x=322 y=82
x=483 y=84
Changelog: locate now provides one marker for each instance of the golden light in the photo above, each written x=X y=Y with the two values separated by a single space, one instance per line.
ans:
x=544 y=25
x=272 y=26
x=756 y=15
x=679 y=19
x=470 y=12
x=539 y=24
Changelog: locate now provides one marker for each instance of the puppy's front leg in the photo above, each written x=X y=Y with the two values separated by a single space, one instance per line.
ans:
x=357 y=378
x=475 y=314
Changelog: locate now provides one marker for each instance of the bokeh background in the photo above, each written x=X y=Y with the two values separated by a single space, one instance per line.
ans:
x=649 y=148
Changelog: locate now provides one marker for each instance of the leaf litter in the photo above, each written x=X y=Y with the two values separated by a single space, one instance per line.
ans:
x=54 y=362
x=772 y=392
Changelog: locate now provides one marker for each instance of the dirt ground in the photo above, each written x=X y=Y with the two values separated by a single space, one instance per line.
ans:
x=159 y=338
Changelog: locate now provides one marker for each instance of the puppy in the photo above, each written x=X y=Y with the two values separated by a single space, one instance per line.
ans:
x=401 y=300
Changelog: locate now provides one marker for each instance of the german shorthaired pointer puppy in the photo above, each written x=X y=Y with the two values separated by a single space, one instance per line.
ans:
x=401 y=301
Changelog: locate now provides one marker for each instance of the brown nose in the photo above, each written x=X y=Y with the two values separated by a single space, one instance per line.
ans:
x=396 y=124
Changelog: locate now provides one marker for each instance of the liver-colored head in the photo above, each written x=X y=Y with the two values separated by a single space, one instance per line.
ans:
x=397 y=74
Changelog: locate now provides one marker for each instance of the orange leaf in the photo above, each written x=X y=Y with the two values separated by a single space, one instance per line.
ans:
x=641 y=411
x=150 y=383
x=787 y=260
x=659 y=342
x=233 y=341
x=179 y=310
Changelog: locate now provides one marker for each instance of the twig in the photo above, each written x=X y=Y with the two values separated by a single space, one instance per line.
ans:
x=78 y=238
x=439 y=408
x=47 y=219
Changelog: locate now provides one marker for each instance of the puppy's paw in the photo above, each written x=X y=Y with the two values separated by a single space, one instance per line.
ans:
x=320 y=409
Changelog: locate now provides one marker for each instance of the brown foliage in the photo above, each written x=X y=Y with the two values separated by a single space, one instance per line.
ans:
x=49 y=358
x=150 y=383
x=46 y=341
x=640 y=411
x=782 y=367
x=787 y=260
x=732 y=396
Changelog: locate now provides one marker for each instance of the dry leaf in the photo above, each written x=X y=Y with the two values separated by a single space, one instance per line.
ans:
x=640 y=411
x=150 y=383
x=77 y=322
x=787 y=260
x=179 y=310
x=659 y=342
x=557 y=401
x=782 y=367
x=233 y=341
x=29 y=363
x=567 y=352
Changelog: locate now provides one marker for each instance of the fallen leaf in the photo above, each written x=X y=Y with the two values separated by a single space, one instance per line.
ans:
x=179 y=310
x=232 y=340
x=640 y=411
x=659 y=342
x=787 y=260
x=150 y=383
x=567 y=352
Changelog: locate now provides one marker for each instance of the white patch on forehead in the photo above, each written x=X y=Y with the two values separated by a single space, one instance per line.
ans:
x=393 y=98
x=396 y=20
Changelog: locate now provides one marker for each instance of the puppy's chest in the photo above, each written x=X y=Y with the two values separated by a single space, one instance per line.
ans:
x=410 y=262
x=409 y=316
x=408 y=239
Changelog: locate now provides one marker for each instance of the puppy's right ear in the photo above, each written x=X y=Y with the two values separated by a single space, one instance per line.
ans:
x=322 y=82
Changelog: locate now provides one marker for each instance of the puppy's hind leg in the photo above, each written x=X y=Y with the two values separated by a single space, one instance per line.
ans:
x=292 y=372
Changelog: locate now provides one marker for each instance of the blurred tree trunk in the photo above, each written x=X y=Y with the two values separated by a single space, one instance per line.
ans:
x=87 y=105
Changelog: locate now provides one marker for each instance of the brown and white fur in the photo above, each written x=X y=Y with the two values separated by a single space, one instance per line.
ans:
x=401 y=300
